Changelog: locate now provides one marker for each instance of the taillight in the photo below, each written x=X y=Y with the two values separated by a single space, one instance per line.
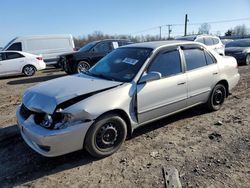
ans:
x=39 y=58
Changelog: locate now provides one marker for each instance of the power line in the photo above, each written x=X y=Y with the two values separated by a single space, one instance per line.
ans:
x=195 y=23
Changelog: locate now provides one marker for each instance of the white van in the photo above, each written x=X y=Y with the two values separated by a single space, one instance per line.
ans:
x=49 y=46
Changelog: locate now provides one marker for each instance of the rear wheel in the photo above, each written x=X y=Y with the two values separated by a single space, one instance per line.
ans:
x=248 y=59
x=106 y=136
x=29 y=70
x=82 y=67
x=217 y=97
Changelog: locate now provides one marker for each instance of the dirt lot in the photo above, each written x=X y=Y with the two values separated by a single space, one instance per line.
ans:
x=206 y=153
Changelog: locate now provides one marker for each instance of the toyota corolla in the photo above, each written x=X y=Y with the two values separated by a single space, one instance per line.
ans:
x=130 y=87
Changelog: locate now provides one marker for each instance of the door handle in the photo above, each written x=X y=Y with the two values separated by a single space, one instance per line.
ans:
x=181 y=83
x=215 y=73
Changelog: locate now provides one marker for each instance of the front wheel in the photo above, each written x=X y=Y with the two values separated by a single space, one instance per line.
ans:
x=217 y=97
x=29 y=70
x=82 y=67
x=248 y=59
x=106 y=136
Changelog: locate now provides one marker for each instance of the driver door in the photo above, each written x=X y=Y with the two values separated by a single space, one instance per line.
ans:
x=161 y=97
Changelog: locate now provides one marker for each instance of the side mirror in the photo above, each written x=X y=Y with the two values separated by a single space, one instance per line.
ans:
x=150 y=77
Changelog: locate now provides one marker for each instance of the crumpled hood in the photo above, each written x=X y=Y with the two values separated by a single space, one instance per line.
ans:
x=46 y=96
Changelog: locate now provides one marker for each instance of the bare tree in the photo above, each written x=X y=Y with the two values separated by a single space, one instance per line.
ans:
x=204 y=28
x=240 y=30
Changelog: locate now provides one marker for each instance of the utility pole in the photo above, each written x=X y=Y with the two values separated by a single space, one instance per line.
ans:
x=186 y=20
x=169 y=30
x=160 y=31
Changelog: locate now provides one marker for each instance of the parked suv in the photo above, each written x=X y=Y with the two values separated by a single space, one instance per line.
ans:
x=213 y=42
x=88 y=55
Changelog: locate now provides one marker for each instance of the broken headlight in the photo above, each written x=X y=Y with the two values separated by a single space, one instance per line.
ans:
x=56 y=121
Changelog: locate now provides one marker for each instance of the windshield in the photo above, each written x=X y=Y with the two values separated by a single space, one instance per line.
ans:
x=9 y=44
x=239 y=43
x=121 y=65
x=87 y=47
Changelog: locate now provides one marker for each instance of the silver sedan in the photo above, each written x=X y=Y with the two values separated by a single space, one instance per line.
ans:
x=131 y=86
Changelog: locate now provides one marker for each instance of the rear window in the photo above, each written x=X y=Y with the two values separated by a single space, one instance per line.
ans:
x=15 y=47
x=216 y=41
x=208 y=41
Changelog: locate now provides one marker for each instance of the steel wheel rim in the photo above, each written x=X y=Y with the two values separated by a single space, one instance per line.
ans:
x=29 y=70
x=218 y=97
x=83 y=67
x=107 y=136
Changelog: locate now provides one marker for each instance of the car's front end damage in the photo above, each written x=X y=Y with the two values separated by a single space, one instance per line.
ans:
x=65 y=137
x=53 y=121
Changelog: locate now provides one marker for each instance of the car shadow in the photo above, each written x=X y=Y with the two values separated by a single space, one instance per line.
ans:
x=35 y=79
x=19 y=164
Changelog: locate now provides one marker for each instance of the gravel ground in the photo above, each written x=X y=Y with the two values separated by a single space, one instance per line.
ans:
x=207 y=149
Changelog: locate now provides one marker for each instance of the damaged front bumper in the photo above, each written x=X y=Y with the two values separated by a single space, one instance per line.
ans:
x=51 y=143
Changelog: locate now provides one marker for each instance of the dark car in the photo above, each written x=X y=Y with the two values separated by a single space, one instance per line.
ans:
x=240 y=49
x=89 y=54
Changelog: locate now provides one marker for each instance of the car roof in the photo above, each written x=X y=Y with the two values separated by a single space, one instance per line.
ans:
x=193 y=37
x=158 y=44
x=111 y=40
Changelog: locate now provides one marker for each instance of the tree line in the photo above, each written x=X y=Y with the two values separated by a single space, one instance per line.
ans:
x=203 y=29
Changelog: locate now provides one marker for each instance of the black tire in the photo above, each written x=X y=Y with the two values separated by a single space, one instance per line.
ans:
x=217 y=97
x=247 y=59
x=105 y=136
x=82 y=67
x=29 y=70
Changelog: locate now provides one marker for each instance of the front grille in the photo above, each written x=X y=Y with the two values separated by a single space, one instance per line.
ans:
x=25 y=112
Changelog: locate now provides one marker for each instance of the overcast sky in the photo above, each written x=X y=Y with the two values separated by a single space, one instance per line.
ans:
x=136 y=17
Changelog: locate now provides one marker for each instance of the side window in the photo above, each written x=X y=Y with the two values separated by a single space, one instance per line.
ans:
x=209 y=59
x=201 y=40
x=13 y=55
x=216 y=41
x=15 y=47
x=167 y=64
x=208 y=41
x=103 y=47
x=195 y=58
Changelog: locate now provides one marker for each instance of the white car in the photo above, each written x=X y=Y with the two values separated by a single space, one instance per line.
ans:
x=211 y=41
x=49 y=46
x=15 y=62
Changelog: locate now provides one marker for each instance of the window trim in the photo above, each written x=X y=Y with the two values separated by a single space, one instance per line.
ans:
x=199 y=48
x=163 y=51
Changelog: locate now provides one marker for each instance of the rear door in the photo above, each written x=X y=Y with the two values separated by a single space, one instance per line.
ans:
x=158 y=98
x=202 y=74
x=13 y=62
